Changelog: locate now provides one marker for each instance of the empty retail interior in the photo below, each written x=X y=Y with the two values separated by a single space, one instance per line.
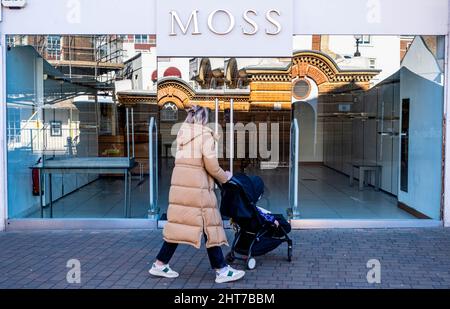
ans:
x=334 y=134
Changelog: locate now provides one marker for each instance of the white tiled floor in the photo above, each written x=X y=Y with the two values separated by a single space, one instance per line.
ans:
x=324 y=193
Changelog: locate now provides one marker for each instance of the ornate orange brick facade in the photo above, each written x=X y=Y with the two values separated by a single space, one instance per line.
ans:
x=269 y=89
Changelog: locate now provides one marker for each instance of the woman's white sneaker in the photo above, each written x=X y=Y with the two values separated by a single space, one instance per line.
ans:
x=163 y=271
x=229 y=274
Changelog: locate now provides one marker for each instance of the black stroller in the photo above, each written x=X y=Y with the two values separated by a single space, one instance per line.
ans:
x=255 y=235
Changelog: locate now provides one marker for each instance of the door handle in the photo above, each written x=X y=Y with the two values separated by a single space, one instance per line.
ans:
x=391 y=134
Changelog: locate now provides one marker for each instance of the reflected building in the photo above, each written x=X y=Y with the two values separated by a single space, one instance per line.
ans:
x=355 y=112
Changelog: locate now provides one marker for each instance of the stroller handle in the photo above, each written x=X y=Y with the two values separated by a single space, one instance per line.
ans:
x=231 y=180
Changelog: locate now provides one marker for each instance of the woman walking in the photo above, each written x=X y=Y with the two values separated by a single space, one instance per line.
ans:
x=193 y=212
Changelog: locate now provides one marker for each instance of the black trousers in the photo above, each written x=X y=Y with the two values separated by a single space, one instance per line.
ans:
x=215 y=254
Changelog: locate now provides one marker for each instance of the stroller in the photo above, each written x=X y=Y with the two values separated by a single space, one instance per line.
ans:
x=255 y=234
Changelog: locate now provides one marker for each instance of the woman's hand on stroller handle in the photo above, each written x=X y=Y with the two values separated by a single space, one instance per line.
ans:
x=229 y=175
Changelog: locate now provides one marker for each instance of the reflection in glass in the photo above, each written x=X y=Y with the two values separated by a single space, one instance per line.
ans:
x=372 y=117
x=253 y=93
x=72 y=150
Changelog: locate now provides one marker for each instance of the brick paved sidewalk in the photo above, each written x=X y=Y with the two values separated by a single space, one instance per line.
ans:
x=410 y=258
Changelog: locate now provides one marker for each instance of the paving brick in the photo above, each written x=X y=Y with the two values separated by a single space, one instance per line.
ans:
x=410 y=258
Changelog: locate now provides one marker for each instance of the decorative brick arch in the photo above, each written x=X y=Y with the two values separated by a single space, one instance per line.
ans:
x=321 y=68
x=174 y=90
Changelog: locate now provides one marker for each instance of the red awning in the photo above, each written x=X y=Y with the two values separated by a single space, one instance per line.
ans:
x=172 y=71
x=155 y=76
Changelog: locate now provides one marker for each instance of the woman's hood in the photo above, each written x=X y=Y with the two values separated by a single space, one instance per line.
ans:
x=188 y=132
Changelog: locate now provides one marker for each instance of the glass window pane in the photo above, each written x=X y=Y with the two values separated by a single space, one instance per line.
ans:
x=371 y=128
x=69 y=140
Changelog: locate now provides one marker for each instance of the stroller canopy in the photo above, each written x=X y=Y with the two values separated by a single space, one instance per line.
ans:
x=240 y=195
x=253 y=186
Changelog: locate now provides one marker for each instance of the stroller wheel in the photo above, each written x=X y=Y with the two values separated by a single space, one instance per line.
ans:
x=251 y=263
x=230 y=257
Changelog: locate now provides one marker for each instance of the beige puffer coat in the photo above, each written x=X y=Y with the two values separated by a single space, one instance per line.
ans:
x=192 y=202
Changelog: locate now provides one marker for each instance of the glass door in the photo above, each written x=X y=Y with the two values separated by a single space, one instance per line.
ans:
x=250 y=104
x=261 y=127
x=261 y=148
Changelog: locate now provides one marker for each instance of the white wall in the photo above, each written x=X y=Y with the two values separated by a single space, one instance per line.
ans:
x=82 y=17
x=348 y=140
x=371 y=17
x=139 y=16
x=421 y=82
x=425 y=143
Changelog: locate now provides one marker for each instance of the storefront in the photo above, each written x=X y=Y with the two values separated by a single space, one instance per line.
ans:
x=340 y=106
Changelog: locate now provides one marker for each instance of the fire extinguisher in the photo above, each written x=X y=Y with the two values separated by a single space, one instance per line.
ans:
x=36 y=179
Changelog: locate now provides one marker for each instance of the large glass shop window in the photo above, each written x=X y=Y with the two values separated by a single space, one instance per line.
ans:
x=369 y=111
x=350 y=127
x=79 y=112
